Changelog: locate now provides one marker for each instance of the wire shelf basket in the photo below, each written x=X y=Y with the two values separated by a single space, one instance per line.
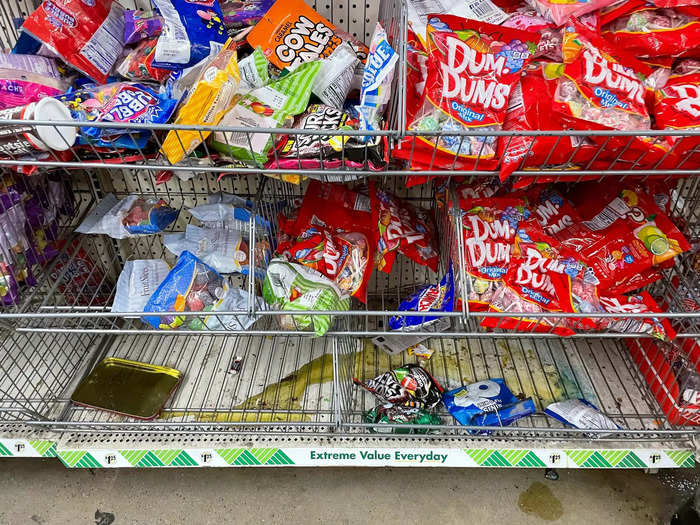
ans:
x=49 y=307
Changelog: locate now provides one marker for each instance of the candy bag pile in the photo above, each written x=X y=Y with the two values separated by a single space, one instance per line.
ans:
x=583 y=252
x=193 y=286
x=600 y=65
x=407 y=383
x=246 y=65
x=408 y=395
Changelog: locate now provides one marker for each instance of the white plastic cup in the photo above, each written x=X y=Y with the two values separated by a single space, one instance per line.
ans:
x=18 y=140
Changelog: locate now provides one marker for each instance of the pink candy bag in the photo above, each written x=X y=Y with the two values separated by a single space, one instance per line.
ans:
x=560 y=10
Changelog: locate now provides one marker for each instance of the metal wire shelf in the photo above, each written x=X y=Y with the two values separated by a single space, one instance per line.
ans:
x=296 y=386
x=48 y=308
x=291 y=384
x=613 y=153
x=601 y=371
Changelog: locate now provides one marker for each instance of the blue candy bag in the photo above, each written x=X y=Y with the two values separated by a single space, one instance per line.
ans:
x=120 y=102
x=193 y=31
x=193 y=286
x=487 y=403
x=376 y=81
x=430 y=298
x=190 y=286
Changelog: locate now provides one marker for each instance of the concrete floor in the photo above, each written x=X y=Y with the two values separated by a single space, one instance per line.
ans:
x=44 y=492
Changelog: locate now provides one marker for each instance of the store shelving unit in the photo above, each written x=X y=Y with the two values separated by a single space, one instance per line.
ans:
x=294 y=402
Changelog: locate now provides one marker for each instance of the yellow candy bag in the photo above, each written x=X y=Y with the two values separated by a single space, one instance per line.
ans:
x=213 y=95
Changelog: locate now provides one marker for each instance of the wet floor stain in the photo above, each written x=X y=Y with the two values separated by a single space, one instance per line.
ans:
x=539 y=500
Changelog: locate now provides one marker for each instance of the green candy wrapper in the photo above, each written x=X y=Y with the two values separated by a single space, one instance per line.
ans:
x=406 y=414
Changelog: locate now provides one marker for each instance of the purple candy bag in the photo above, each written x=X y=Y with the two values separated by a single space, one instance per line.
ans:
x=244 y=13
x=14 y=242
x=139 y=25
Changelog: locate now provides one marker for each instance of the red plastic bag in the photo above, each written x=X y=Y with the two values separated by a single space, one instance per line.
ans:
x=402 y=228
x=635 y=282
x=488 y=229
x=138 y=64
x=650 y=32
x=635 y=304
x=543 y=277
x=531 y=109
x=617 y=9
x=597 y=92
x=88 y=35
x=677 y=106
x=601 y=89
x=622 y=236
x=552 y=210
x=674 y=3
x=472 y=68
x=536 y=282
x=343 y=257
x=339 y=210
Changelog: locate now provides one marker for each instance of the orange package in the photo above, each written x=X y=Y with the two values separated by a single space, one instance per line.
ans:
x=291 y=32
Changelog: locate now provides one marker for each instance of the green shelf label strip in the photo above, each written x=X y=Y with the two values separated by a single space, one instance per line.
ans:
x=352 y=456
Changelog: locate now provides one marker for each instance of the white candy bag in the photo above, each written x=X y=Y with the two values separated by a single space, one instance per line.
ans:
x=137 y=282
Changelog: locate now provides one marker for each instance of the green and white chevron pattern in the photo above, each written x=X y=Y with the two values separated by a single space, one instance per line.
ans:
x=22 y=448
x=254 y=456
x=46 y=449
x=505 y=458
x=158 y=458
x=682 y=458
x=605 y=459
x=78 y=459
x=249 y=457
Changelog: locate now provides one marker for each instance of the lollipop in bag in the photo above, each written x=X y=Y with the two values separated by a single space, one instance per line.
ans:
x=677 y=107
x=403 y=228
x=472 y=68
x=488 y=229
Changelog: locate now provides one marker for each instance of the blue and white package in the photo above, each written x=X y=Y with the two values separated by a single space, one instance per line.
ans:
x=193 y=286
x=231 y=212
x=579 y=413
x=225 y=250
x=193 y=31
x=376 y=80
x=487 y=403
x=133 y=215
x=431 y=298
